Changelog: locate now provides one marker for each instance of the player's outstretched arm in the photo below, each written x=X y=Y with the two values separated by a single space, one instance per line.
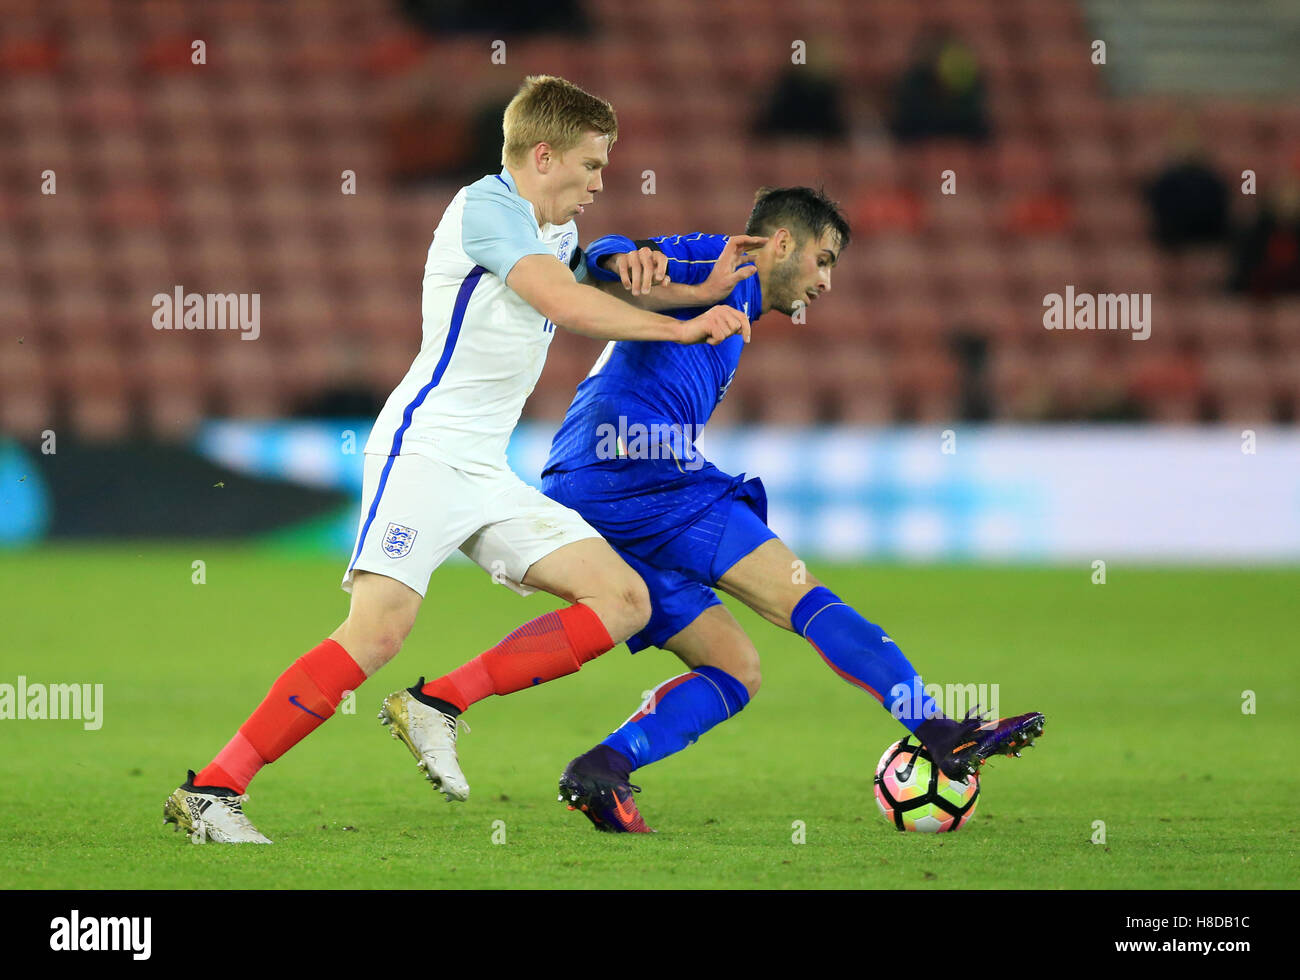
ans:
x=664 y=296
x=548 y=286
x=643 y=276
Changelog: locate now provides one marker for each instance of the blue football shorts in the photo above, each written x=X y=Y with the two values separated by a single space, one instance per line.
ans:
x=681 y=530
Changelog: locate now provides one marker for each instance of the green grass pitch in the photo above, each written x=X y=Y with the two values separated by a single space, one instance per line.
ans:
x=1141 y=679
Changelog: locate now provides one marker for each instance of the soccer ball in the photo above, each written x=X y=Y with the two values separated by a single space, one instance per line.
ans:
x=914 y=793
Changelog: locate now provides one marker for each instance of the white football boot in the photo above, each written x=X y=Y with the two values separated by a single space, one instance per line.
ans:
x=430 y=734
x=210 y=813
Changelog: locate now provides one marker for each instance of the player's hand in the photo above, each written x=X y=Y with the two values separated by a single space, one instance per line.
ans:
x=639 y=270
x=715 y=325
x=731 y=267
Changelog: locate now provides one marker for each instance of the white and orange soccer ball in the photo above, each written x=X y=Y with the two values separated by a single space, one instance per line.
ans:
x=914 y=794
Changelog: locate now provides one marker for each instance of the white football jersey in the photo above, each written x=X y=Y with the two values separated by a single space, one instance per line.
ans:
x=484 y=346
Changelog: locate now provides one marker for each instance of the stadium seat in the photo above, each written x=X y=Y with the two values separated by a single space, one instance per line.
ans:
x=1222 y=324
x=1167 y=386
x=1018 y=388
x=1284 y=378
x=926 y=384
x=170 y=373
x=35 y=53
x=245 y=379
x=1238 y=383
x=1280 y=323
x=775 y=384
x=1196 y=271
x=27 y=410
x=226 y=178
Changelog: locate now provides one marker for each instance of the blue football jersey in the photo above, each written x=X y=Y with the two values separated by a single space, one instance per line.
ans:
x=653 y=390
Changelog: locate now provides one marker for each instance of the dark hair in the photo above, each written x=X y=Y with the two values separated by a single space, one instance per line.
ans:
x=799 y=208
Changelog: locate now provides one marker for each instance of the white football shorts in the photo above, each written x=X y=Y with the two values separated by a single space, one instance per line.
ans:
x=415 y=511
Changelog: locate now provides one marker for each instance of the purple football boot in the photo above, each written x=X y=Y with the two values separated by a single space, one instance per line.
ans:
x=960 y=747
x=596 y=784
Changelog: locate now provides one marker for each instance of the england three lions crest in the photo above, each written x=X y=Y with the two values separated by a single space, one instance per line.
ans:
x=398 y=540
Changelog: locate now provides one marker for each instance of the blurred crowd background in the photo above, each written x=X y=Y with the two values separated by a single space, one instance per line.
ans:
x=225 y=176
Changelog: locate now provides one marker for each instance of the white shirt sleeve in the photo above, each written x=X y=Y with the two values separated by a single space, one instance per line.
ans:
x=498 y=228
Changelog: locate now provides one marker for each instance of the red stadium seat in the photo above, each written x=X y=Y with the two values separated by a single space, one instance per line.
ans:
x=388 y=359
x=859 y=383
x=1222 y=324
x=27 y=410
x=167 y=55
x=1284 y=378
x=1280 y=323
x=1238 y=385
x=1168 y=386
x=775 y=384
x=1018 y=387
x=169 y=371
x=245 y=379
x=926 y=381
x=37 y=53
x=226 y=176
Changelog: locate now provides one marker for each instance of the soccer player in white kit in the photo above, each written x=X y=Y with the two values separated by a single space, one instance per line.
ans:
x=503 y=270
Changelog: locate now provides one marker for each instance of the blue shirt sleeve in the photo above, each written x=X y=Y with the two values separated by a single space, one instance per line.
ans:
x=691 y=257
x=690 y=260
x=497 y=227
x=609 y=245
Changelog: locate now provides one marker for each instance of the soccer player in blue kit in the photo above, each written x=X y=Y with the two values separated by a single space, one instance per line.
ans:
x=624 y=458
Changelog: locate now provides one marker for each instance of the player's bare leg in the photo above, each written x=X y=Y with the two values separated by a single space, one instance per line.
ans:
x=592 y=573
x=716 y=639
x=772 y=581
x=379 y=620
x=378 y=625
x=209 y=805
x=609 y=603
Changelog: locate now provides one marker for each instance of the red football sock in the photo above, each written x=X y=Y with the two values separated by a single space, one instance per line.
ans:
x=301 y=699
x=548 y=647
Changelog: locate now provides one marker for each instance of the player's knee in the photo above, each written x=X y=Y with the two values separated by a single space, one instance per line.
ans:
x=617 y=595
x=387 y=643
x=372 y=647
x=746 y=669
x=740 y=660
x=376 y=648
x=782 y=613
x=635 y=599
x=624 y=606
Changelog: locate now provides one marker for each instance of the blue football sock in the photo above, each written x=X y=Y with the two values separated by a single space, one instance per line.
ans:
x=677 y=713
x=863 y=655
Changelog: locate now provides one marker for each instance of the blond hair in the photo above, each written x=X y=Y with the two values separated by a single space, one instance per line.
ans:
x=548 y=109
